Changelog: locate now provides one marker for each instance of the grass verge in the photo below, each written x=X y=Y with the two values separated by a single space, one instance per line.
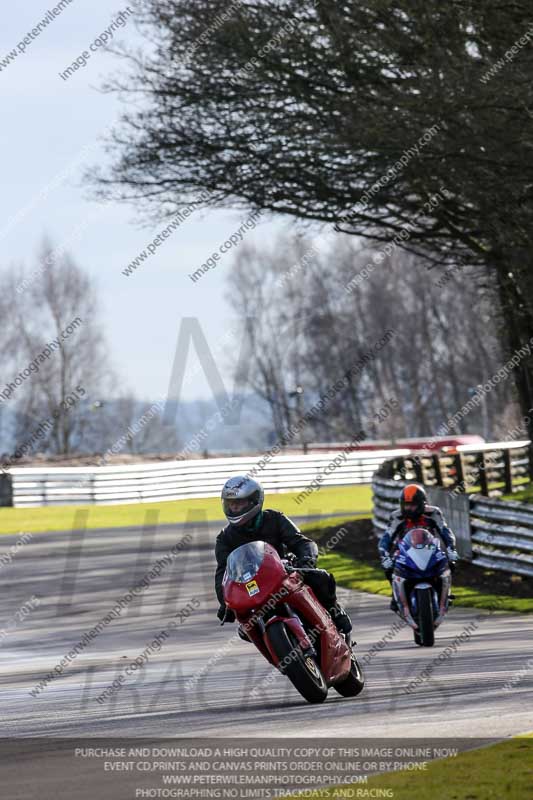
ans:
x=524 y=496
x=503 y=770
x=329 y=500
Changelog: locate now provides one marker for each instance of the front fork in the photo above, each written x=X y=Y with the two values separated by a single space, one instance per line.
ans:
x=446 y=585
x=400 y=595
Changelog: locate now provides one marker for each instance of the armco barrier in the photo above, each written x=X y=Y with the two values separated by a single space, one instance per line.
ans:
x=174 y=480
x=491 y=533
x=502 y=535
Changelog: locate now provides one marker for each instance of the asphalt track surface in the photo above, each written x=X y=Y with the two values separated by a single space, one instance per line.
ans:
x=78 y=577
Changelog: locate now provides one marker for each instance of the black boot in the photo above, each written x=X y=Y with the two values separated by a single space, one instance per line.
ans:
x=341 y=619
x=393 y=605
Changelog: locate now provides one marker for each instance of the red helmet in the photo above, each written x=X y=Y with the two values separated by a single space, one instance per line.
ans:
x=413 y=501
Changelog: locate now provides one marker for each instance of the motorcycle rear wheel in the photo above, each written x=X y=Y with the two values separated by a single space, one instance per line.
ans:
x=302 y=671
x=426 y=625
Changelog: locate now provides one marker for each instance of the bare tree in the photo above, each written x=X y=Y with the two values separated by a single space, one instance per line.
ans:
x=139 y=427
x=57 y=366
x=382 y=119
x=275 y=330
x=322 y=325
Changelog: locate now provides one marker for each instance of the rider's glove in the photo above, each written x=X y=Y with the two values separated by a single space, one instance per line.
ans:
x=387 y=563
x=453 y=555
x=225 y=614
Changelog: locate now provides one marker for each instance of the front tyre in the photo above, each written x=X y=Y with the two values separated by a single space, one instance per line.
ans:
x=426 y=625
x=352 y=685
x=302 y=670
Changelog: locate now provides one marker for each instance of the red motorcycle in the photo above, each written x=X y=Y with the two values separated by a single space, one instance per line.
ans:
x=287 y=624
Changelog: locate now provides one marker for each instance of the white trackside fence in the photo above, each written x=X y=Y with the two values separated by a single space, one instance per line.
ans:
x=491 y=533
x=194 y=478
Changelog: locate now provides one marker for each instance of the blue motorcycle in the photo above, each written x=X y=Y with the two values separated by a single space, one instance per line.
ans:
x=421 y=584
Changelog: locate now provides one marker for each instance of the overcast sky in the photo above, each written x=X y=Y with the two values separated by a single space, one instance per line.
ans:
x=47 y=123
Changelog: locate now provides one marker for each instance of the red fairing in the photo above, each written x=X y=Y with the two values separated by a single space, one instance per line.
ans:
x=269 y=580
x=272 y=587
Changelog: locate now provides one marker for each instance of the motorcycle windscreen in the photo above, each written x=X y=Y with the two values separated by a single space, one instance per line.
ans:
x=419 y=538
x=420 y=546
x=244 y=562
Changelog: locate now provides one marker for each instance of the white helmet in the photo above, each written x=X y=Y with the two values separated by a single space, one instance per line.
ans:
x=243 y=489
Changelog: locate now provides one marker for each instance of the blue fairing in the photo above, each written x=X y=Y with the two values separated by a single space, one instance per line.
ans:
x=419 y=558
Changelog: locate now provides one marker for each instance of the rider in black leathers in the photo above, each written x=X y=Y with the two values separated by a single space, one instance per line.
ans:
x=242 y=499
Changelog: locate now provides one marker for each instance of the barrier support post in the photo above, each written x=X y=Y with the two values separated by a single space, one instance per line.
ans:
x=6 y=490
x=459 y=472
x=437 y=469
x=482 y=473
x=508 y=471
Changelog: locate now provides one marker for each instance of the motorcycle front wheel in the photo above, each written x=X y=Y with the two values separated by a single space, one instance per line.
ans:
x=426 y=624
x=302 y=670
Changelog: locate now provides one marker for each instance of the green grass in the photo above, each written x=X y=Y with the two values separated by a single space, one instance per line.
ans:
x=332 y=522
x=337 y=499
x=503 y=771
x=524 y=496
x=354 y=574
x=474 y=598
